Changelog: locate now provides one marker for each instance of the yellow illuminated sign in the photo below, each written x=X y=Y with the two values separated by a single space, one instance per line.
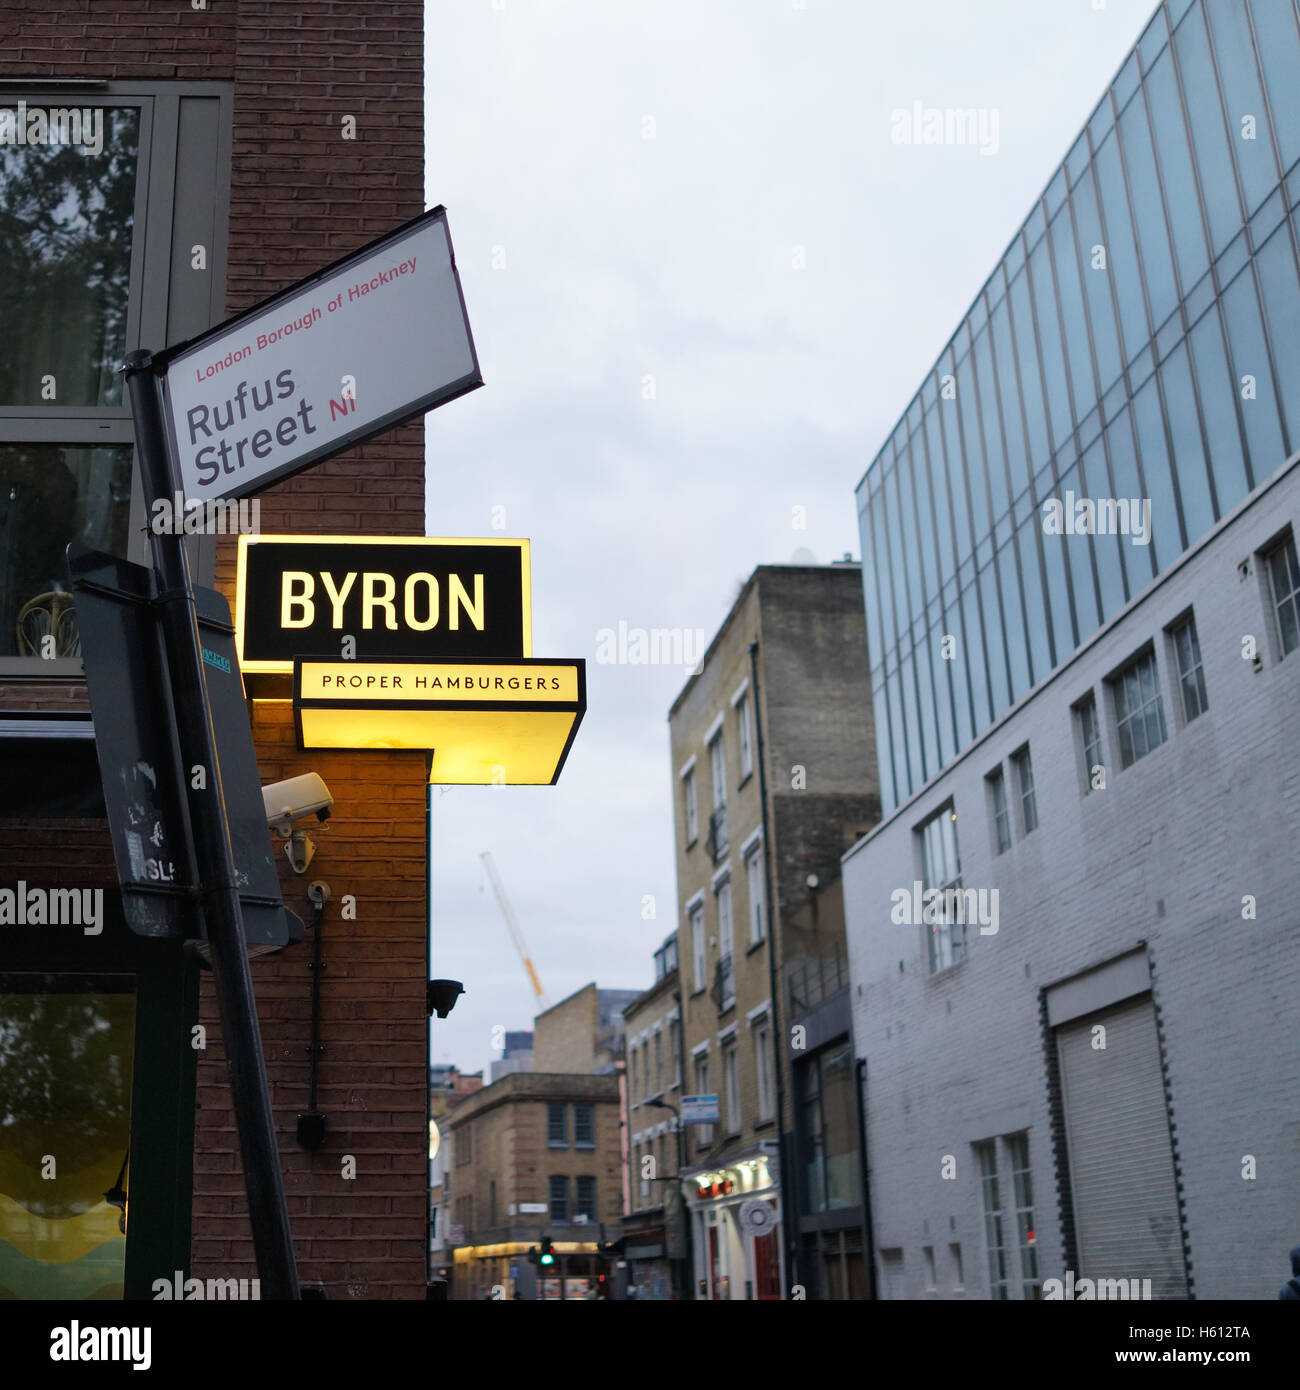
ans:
x=390 y=597
x=485 y=722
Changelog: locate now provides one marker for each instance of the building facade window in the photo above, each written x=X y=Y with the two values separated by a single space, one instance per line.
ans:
x=731 y=1089
x=692 y=808
x=941 y=869
x=1025 y=779
x=586 y=1196
x=744 y=737
x=1139 y=710
x=464 y=1145
x=994 y=1229
x=1090 y=734
x=559 y=1200
x=703 y=1133
x=659 y=1063
x=1191 y=674
x=827 y=1122
x=675 y=1029
x=763 y=1070
x=1283 y=570
x=1001 y=813
x=557 y=1127
x=1022 y=1185
x=754 y=885
x=584 y=1126
x=718 y=837
x=726 y=981
x=697 y=947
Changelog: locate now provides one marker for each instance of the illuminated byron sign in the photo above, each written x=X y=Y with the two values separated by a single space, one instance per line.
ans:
x=367 y=598
x=360 y=346
x=504 y=722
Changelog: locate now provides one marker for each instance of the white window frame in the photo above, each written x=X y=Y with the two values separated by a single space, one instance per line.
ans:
x=763 y=1069
x=754 y=878
x=699 y=947
x=743 y=706
x=692 y=805
x=731 y=1085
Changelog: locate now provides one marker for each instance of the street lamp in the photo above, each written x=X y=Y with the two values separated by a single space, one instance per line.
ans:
x=688 y=1284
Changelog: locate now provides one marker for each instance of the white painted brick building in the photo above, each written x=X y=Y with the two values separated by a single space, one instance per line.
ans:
x=1125 y=906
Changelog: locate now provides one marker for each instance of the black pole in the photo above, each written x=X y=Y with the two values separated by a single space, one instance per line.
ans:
x=789 y=1216
x=222 y=914
x=868 y=1236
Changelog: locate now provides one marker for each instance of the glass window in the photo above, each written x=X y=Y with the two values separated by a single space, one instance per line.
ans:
x=587 y=1198
x=1031 y=393
x=941 y=869
x=1031 y=570
x=1014 y=627
x=1138 y=560
x=1068 y=266
x=67 y=1049
x=1252 y=377
x=1001 y=813
x=731 y=1088
x=559 y=1200
x=1176 y=170
x=1277 y=276
x=973 y=649
x=763 y=1070
x=1121 y=248
x=1025 y=779
x=1022 y=1185
x=692 y=809
x=937 y=489
x=1278 y=45
x=1090 y=733
x=1106 y=549
x=754 y=885
x=697 y=946
x=66 y=214
x=1248 y=122
x=1058 y=590
x=994 y=1233
x=995 y=640
x=1050 y=346
x=1139 y=710
x=1191 y=676
x=1184 y=426
x=1284 y=585
x=1216 y=393
x=1095 y=273
x=1209 y=139
x=557 y=1126
x=1078 y=550
x=1166 y=534
x=745 y=736
x=1153 y=236
x=726 y=946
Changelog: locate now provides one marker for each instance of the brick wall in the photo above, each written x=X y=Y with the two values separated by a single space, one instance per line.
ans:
x=301 y=196
x=1164 y=854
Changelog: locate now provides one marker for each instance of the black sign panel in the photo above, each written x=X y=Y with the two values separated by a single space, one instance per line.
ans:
x=147 y=792
x=403 y=598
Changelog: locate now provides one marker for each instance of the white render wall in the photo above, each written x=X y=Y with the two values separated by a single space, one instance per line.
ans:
x=1164 y=854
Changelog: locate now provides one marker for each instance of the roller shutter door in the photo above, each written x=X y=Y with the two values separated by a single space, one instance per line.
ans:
x=1121 y=1160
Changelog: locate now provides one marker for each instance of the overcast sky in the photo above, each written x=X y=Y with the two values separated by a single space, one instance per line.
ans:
x=704 y=283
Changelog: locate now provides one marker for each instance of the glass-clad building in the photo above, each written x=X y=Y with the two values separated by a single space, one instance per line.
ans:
x=1140 y=339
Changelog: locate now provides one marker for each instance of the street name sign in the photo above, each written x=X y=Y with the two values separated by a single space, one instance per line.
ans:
x=379 y=597
x=700 y=1110
x=358 y=347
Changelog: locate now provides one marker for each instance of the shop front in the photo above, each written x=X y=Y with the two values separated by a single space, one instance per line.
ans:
x=735 y=1213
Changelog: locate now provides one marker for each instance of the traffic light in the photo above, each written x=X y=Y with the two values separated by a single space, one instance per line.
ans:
x=547 y=1257
x=532 y=1254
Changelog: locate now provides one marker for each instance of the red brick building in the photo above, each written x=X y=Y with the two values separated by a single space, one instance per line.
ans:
x=243 y=146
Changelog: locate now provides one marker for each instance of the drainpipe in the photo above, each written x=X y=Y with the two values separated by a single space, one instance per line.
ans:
x=868 y=1237
x=789 y=1214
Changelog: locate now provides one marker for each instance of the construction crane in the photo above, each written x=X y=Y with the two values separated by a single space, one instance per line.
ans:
x=509 y=914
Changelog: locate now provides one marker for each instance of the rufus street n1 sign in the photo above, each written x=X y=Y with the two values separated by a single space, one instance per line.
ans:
x=354 y=349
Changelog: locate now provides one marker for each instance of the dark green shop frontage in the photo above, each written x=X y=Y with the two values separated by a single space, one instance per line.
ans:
x=98 y=1048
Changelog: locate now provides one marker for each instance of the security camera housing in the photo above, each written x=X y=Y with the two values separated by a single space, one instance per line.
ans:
x=294 y=798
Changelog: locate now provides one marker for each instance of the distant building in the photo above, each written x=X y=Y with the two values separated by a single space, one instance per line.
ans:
x=583 y=1033
x=447 y=1086
x=534 y=1154
x=754 y=873
x=654 y=1239
x=517 y=1055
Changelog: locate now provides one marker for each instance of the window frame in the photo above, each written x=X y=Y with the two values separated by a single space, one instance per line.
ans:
x=1085 y=708
x=551 y=1189
x=1285 y=545
x=1184 y=623
x=552 y=1107
x=1115 y=684
x=152 y=297
x=586 y=1111
x=1001 y=812
x=1026 y=798
x=935 y=940
x=754 y=864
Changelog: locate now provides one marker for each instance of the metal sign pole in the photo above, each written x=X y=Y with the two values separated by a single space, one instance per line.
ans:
x=272 y=1242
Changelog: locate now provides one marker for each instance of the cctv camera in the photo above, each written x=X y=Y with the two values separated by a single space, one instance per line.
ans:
x=294 y=798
